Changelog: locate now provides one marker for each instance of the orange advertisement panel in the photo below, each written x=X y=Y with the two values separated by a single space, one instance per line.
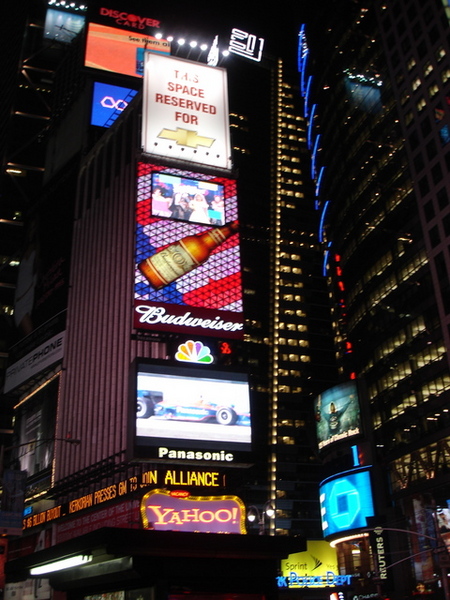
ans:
x=119 y=50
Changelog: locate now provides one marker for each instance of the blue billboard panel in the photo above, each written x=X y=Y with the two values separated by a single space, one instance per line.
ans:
x=364 y=93
x=108 y=102
x=346 y=501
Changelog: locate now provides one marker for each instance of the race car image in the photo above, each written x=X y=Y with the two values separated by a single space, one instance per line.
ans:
x=146 y=402
x=201 y=411
x=188 y=405
x=152 y=404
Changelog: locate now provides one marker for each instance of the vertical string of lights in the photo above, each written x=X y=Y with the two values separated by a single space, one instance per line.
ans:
x=276 y=286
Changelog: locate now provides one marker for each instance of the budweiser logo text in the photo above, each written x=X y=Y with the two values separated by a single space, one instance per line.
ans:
x=157 y=314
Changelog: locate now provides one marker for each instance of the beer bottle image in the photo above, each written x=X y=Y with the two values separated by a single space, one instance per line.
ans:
x=183 y=256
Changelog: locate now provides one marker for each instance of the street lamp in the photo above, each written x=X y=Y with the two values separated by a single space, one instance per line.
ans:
x=255 y=513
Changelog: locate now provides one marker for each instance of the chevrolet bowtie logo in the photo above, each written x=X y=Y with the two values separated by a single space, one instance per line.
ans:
x=184 y=137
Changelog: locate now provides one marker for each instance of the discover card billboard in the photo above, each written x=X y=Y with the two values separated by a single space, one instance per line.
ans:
x=119 y=51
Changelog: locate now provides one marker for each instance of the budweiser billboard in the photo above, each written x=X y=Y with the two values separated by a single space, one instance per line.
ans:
x=185 y=111
x=188 y=277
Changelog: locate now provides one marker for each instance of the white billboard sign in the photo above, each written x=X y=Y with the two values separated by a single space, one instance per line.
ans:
x=185 y=111
x=35 y=361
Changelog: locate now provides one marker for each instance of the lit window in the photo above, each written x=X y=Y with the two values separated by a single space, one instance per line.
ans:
x=421 y=104
x=440 y=54
x=428 y=69
x=433 y=90
x=445 y=75
x=411 y=63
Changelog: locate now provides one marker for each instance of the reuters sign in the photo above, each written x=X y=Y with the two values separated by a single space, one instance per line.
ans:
x=185 y=113
x=172 y=511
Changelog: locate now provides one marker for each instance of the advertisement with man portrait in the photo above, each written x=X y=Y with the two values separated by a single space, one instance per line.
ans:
x=337 y=414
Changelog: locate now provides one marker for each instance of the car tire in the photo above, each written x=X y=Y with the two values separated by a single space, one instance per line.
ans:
x=144 y=408
x=226 y=416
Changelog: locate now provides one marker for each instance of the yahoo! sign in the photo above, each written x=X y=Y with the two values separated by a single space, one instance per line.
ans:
x=170 y=511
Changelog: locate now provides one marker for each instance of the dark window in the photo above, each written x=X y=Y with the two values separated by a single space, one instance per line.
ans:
x=419 y=163
x=412 y=13
x=446 y=224
x=422 y=49
x=414 y=139
x=435 y=238
x=400 y=26
x=433 y=34
x=431 y=150
x=436 y=173
x=442 y=198
x=428 y=209
x=441 y=269
x=406 y=45
x=424 y=186
x=417 y=30
x=425 y=126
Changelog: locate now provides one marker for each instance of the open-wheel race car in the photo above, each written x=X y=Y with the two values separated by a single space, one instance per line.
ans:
x=199 y=411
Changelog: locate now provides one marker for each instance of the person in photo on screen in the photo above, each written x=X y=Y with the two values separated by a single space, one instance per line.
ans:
x=199 y=208
x=160 y=204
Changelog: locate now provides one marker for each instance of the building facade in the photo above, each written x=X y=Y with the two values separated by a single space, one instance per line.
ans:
x=376 y=88
x=79 y=380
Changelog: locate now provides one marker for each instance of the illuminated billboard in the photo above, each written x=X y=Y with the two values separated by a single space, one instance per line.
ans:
x=193 y=409
x=62 y=26
x=188 y=199
x=165 y=511
x=118 y=50
x=337 y=413
x=185 y=111
x=188 y=277
x=246 y=44
x=108 y=103
x=316 y=567
x=35 y=427
x=346 y=501
x=364 y=92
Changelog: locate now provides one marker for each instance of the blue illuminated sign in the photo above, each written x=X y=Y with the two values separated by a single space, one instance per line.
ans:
x=108 y=102
x=294 y=580
x=346 y=502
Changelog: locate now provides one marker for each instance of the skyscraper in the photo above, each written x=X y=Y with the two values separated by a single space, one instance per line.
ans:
x=77 y=378
x=376 y=95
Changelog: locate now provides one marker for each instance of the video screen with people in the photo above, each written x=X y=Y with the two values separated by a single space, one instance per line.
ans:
x=187 y=199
